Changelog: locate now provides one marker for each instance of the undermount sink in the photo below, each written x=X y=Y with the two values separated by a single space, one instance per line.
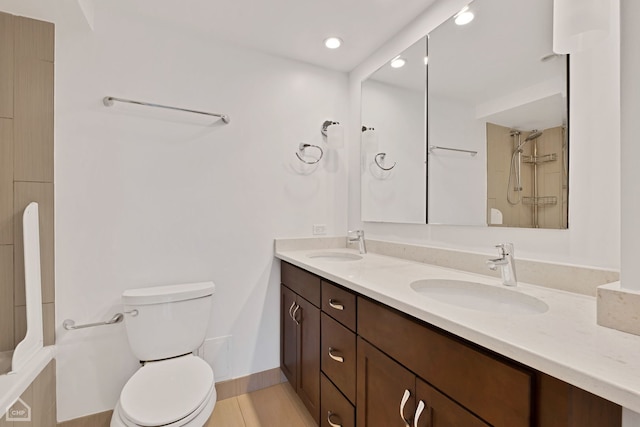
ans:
x=335 y=256
x=480 y=297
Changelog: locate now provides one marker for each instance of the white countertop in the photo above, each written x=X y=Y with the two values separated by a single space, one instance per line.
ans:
x=564 y=342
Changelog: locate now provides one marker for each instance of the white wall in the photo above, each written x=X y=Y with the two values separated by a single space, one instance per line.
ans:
x=593 y=237
x=397 y=115
x=148 y=197
x=457 y=181
x=630 y=274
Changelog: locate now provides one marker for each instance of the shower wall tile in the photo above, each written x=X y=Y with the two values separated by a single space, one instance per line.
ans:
x=6 y=65
x=33 y=120
x=6 y=298
x=6 y=181
x=24 y=193
x=34 y=39
x=48 y=323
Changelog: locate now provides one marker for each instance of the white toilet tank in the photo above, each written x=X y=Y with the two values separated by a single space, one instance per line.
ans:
x=167 y=321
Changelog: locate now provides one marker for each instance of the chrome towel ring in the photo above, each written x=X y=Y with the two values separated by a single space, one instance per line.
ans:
x=382 y=156
x=303 y=146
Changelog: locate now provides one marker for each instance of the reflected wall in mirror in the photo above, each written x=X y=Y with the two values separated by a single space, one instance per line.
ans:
x=495 y=87
x=493 y=84
x=393 y=145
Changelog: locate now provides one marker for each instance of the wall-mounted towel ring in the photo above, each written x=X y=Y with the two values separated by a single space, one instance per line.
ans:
x=381 y=156
x=304 y=146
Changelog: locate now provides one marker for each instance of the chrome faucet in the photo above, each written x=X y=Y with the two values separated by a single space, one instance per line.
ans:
x=507 y=264
x=359 y=237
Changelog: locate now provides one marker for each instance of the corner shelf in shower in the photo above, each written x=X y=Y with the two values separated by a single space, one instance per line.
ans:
x=540 y=159
x=540 y=201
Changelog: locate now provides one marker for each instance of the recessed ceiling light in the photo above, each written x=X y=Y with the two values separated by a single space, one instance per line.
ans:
x=464 y=16
x=332 y=42
x=398 y=62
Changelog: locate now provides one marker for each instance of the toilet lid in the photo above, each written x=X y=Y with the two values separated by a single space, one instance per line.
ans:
x=166 y=391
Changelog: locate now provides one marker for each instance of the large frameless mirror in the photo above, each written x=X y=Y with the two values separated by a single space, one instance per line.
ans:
x=393 y=146
x=497 y=133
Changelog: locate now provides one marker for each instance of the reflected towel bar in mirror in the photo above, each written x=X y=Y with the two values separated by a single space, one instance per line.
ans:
x=435 y=147
x=108 y=102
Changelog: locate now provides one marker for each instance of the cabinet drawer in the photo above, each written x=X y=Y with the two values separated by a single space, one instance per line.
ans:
x=338 y=355
x=334 y=407
x=339 y=304
x=301 y=282
x=497 y=391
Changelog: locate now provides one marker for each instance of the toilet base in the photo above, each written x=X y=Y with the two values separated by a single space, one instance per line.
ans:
x=199 y=420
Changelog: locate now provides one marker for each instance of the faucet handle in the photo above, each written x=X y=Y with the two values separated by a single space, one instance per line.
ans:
x=505 y=249
x=358 y=233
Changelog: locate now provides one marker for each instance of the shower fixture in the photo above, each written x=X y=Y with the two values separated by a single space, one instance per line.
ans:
x=516 y=163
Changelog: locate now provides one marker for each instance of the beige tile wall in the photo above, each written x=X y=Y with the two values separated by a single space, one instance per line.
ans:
x=551 y=178
x=26 y=165
x=41 y=398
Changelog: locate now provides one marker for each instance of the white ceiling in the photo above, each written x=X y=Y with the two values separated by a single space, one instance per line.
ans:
x=290 y=28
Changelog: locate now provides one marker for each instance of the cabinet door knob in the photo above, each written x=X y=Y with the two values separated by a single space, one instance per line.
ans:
x=332 y=424
x=334 y=357
x=419 y=410
x=295 y=310
x=405 y=398
x=335 y=304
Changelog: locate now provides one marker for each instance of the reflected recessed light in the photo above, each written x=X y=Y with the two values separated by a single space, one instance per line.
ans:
x=464 y=16
x=332 y=42
x=426 y=60
x=398 y=62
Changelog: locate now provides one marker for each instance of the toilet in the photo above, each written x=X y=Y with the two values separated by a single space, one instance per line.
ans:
x=173 y=387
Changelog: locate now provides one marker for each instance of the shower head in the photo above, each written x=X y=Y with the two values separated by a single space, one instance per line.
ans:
x=533 y=135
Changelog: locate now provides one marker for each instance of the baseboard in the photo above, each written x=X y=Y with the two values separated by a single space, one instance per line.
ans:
x=253 y=382
x=101 y=419
x=224 y=389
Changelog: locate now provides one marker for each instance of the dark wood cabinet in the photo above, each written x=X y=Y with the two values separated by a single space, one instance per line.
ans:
x=356 y=362
x=335 y=409
x=338 y=356
x=382 y=387
x=391 y=395
x=300 y=335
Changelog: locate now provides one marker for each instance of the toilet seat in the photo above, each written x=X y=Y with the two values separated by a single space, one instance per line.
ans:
x=167 y=393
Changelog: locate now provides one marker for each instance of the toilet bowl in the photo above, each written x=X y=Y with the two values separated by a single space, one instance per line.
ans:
x=173 y=387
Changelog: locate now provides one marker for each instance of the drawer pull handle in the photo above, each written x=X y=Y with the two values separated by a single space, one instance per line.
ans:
x=419 y=410
x=295 y=318
x=405 y=398
x=336 y=305
x=291 y=308
x=334 y=357
x=332 y=424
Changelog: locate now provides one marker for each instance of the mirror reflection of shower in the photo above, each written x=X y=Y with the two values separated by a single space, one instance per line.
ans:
x=516 y=164
x=531 y=166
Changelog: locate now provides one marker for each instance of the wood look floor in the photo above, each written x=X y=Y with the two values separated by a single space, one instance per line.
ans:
x=273 y=406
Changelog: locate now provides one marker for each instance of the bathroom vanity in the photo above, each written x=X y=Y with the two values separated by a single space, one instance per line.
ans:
x=363 y=349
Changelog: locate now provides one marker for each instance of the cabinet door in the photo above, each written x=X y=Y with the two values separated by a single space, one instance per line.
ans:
x=382 y=385
x=288 y=336
x=308 y=386
x=436 y=410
